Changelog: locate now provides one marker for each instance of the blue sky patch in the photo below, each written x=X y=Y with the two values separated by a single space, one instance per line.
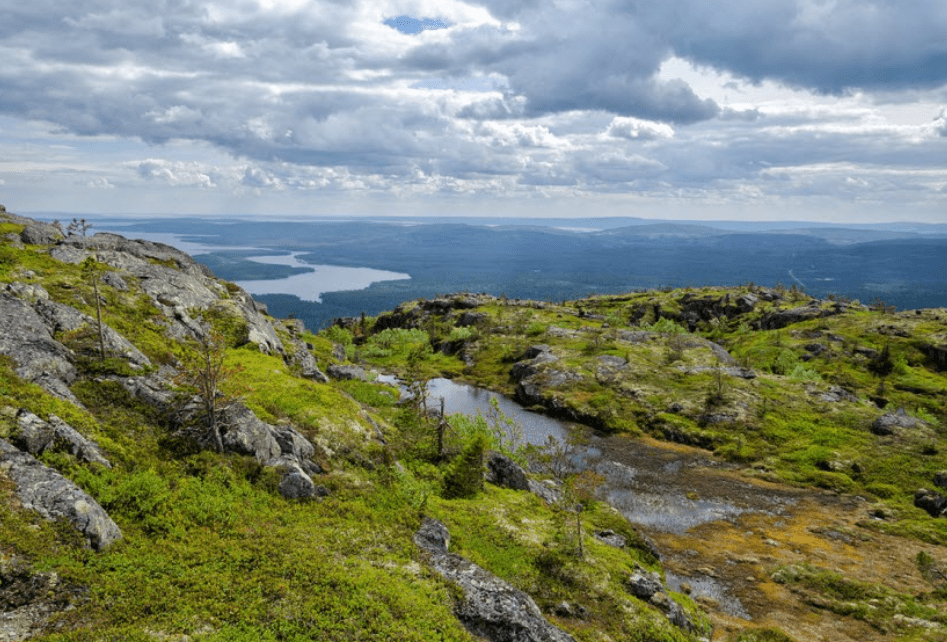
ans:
x=407 y=24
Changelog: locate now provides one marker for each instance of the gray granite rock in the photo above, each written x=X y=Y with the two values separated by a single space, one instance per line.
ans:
x=503 y=471
x=36 y=436
x=490 y=607
x=45 y=491
x=39 y=358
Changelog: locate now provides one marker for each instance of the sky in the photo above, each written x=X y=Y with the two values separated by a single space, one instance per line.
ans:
x=832 y=110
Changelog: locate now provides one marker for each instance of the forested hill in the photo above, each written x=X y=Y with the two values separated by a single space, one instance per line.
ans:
x=176 y=464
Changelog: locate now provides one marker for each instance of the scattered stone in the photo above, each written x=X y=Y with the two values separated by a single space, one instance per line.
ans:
x=890 y=423
x=940 y=479
x=611 y=538
x=346 y=372
x=837 y=394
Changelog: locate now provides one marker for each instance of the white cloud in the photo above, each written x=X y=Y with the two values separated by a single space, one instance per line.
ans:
x=636 y=129
x=509 y=99
x=175 y=173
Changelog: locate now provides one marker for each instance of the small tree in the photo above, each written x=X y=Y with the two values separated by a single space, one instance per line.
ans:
x=78 y=226
x=92 y=270
x=464 y=478
x=578 y=492
x=204 y=372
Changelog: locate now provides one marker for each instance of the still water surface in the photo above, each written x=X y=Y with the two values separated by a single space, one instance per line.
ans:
x=647 y=484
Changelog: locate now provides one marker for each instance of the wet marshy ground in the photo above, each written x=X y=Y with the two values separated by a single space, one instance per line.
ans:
x=721 y=533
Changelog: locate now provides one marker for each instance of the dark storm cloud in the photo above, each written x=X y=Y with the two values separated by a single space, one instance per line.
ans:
x=826 y=45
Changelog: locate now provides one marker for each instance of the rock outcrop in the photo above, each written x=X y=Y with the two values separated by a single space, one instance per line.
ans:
x=28 y=599
x=45 y=491
x=177 y=291
x=36 y=436
x=490 y=607
x=38 y=356
x=503 y=471
x=782 y=318
x=934 y=503
x=647 y=586
x=894 y=422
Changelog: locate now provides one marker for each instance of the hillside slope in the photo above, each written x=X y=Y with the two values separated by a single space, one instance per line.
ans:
x=175 y=465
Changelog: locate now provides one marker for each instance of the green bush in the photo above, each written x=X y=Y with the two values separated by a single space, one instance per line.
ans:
x=801 y=372
x=666 y=326
x=464 y=478
x=335 y=334
x=785 y=362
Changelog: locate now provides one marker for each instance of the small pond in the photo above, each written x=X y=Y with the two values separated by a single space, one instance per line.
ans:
x=651 y=486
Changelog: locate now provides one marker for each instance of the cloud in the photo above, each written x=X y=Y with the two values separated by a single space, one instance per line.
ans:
x=636 y=129
x=176 y=173
x=494 y=98
x=100 y=183
x=829 y=47
x=409 y=25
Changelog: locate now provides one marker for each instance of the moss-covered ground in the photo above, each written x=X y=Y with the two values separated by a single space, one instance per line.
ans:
x=211 y=551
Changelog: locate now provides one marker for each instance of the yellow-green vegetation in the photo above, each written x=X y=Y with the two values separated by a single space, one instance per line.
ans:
x=879 y=606
x=211 y=550
x=803 y=414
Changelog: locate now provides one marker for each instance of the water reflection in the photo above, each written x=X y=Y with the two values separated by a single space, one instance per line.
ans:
x=703 y=586
x=469 y=400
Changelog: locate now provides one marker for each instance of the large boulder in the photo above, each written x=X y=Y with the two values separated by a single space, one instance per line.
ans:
x=245 y=434
x=345 y=372
x=534 y=359
x=490 y=608
x=303 y=358
x=45 y=491
x=934 y=503
x=38 y=233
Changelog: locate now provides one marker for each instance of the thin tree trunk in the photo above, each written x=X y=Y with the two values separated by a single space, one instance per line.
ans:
x=98 y=317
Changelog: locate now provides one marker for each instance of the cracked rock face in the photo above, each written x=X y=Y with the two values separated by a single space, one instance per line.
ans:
x=491 y=608
x=45 y=491
x=65 y=318
x=39 y=358
x=36 y=436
